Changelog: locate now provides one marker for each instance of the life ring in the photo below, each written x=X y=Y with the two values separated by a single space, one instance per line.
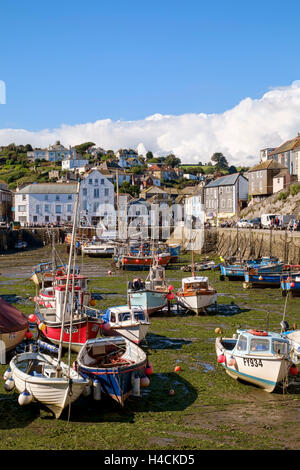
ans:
x=258 y=332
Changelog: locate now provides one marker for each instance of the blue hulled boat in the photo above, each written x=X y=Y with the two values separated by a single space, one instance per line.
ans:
x=291 y=284
x=236 y=271
x=113 y=364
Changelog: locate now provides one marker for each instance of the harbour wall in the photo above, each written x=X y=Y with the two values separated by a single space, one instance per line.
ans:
x=250 y=243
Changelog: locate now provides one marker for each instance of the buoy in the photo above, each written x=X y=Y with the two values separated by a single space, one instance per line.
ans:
x=232 y=361
x=170 y=287
x=9 y=384
x=42 y=326
x=109 y=273
x=92 y=302
x=106 y=326
x=260 y=278
x=171 y=392
x=292 y=284
x=136 y=392
x=96 y=390
x=170 y=296
x=294 y=369
x=218 y=331
x=177 y=369
x=48 y=305
x=7 y=374
x=32 y=318
x=149 y=369
x=28 y=335
x=25 y=398
x=221 y=358
x=145 y=382
x=86 y=390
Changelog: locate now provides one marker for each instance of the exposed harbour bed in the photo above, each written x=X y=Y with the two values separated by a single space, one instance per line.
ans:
x=209 y=410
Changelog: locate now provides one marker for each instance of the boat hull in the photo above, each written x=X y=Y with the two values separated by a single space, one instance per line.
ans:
x=150 y=301
x=11 y=340
x=133 y=263
x=196 y=303
x=134 y=333
x=264 y=372
x=54 y=392
x=82 y=330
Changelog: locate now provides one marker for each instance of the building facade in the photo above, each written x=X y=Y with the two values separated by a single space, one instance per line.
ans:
x=53 y=153
x=225 y=196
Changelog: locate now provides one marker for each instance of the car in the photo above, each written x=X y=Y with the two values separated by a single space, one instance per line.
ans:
x=242 y=223
x=254 y=223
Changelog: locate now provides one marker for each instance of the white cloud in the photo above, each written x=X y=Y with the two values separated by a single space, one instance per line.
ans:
x=239 y=132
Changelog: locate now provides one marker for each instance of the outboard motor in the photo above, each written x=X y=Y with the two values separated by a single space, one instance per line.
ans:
x=284 y=325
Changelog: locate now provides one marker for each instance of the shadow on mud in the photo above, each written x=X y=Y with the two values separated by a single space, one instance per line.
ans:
x=155 y=399
x=155 y=342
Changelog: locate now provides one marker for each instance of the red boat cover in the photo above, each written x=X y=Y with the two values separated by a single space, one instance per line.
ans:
x=11 y=319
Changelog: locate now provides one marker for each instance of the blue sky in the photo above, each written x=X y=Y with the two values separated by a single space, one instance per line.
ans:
x=73 y=61
x=70 y=62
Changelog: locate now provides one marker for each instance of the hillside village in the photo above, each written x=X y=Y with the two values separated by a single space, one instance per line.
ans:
x=37 y=186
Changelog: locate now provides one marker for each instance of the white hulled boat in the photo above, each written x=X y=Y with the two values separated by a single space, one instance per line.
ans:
x=196 y=294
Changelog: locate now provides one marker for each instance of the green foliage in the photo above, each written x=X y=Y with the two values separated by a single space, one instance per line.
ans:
x=294 y=189
x=282 y=196
x=82 y=148
x=131 y=189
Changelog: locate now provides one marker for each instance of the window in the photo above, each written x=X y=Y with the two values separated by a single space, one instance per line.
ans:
x=227 y=189
x=69 y=197
x=46 y=197
x=96 y=206
x=84 y=191
x=69 y=208
x=102 y=181
x=23 y=197
x=259 y=344
x=242 y=343
x=37 y=208
x=84 y=205
x=47 y=208
x=58 y=209
x=35 y=218
x=22 y=208
x=96 y=192
x=106 y=192
x=223 y=203
x=279 y=347
x=96 y=182
x=57 y=197
x=90 y=181
x=47 y=218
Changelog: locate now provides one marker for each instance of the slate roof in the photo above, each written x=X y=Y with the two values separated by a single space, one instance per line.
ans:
x=227 y=180
x=49 y=188
x=268 y=165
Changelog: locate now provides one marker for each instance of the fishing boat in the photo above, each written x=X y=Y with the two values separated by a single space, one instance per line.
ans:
x=47 y=296
x=98 y=249
x=40 y=377
x=13 y=325
x=141 y=262
x=113 y=364
x=132 y=323
x=78 y=324
x=174 y=250
x=291 y=285
x=255 y=356
x=236 y=271
x=263 y=277
x=196 y=294
x=151 y=295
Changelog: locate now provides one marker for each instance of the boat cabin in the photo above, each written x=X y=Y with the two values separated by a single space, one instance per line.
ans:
x=118 y=315
x=190 y=284
x=156 y=279
x=79 y=280
x=254 y=342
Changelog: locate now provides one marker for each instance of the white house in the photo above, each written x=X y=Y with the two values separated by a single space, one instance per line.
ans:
x=70 y=163
x=47 y=203
x=96 y=197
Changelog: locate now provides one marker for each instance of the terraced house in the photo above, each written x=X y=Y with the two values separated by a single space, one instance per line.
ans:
x=52 y=203
x=225 y=196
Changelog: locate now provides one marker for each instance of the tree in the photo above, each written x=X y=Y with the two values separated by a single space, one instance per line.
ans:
x=149 y=155
x=172 y=160
x=232 y=169
x=220 y=160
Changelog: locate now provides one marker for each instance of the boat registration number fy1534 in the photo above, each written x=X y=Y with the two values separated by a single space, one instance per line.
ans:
x=252 y=362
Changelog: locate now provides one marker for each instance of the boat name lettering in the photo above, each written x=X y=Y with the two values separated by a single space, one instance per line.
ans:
x=252 y=362
x=74 y=330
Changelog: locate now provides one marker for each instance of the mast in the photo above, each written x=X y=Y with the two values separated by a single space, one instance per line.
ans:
x=118 y=202
x=68 y=276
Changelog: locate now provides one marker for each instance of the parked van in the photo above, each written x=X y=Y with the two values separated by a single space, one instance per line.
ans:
x=268 y=220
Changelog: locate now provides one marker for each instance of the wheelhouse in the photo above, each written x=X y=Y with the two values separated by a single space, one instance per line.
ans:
x=261 y=343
